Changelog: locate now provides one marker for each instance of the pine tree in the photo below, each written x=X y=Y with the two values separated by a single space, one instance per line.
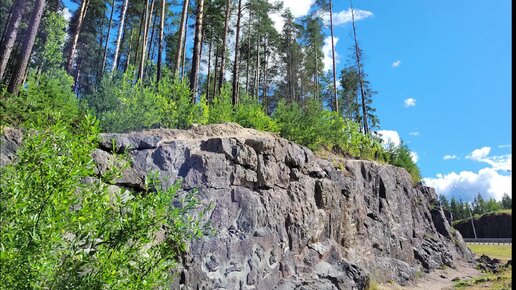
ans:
x=28 y=43
x=9 y=36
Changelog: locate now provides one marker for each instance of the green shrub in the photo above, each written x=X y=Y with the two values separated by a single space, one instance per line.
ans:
x=401 y=156
x=59 y=232
x=250 y=114
x=41 y=98
x=221 y=109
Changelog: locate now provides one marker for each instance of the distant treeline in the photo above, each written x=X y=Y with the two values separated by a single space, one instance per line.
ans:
x=461 y=210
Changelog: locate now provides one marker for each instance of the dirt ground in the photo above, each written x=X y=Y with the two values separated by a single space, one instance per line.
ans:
x=438 y=279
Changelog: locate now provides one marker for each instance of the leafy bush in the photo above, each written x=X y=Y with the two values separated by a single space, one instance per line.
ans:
x=401 y=156
x=61 y=232
x=317 y=128
x=122 y=104
x=42 y=97
x=221 y=109
x=250 y=114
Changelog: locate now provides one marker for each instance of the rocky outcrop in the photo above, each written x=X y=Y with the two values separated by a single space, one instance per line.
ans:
x=491 y=225
x=10 y=140
x=285 y=219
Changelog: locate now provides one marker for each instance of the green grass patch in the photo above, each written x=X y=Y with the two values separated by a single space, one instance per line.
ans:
x=502 y=252
x=500 y=281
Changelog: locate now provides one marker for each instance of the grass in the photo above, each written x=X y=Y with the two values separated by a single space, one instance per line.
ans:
x=500 y=281
x=501 y=252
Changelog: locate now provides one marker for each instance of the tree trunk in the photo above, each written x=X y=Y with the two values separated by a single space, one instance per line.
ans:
x=209 y=74
x=148 y=16
x=224 y=40
x=153 y=29
x=257 y=70
x=28 y=43
x=215 y=70
x=236 y=64
x=182 y=36
x=160 y=45
x=183 y=55
x=196 y=59
x=77 y=31
x=107 y=37
x=248 y=53
x=316 y=78
x=265 y=87
x=120 y=33
x=10 y=35
x=128 y=60
x=333 y=60
x=140 y=33
x=359 y=70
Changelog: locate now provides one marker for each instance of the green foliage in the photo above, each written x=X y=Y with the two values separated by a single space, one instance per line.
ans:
x=50 y=55
x=250 y=114
x=401 y=156
x=124 y=105
x=221 y=109
x=316 y=128
x=59 y=231
x=42 y=97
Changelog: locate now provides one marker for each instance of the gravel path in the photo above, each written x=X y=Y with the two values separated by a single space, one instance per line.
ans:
x=438 y=279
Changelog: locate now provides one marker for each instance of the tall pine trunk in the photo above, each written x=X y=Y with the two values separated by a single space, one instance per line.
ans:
x=257 y=70
x=359 y=70
x=236 y=63
x=196 y=59
x=183 y=55
x=336 y=101
x=248 y=53
x=208 y=78
x=75 y=38
x=10 y=35
x=120 y=33
x=160 y=40
x=224 y=40
x=215 y=70
x=182 y=36
x=28 y=43
x=148 y=16
x=107 y=37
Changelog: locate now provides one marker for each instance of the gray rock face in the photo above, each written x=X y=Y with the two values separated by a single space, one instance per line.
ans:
x=285 y=219
x=10 y=140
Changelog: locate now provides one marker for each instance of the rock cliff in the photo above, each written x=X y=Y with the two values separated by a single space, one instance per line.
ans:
x=286 y=219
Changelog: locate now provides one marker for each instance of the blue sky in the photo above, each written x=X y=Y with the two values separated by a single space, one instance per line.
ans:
x=442 y=72
x=451 y=62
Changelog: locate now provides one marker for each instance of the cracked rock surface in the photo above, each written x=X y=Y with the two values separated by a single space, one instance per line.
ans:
x=285 y=219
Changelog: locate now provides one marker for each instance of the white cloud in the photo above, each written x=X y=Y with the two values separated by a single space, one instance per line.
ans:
x=414 y=156
x=467 y=184
x=491 y=181
x=479 y=154
x=410 y=102
x=65 y=12
x=344 y=16
x=450 y=157
x=396 y=64
x=298 y=8
x=498 y=162
x=390 y=136
x=415 y=134
x=327 y=61
x=505 y=146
